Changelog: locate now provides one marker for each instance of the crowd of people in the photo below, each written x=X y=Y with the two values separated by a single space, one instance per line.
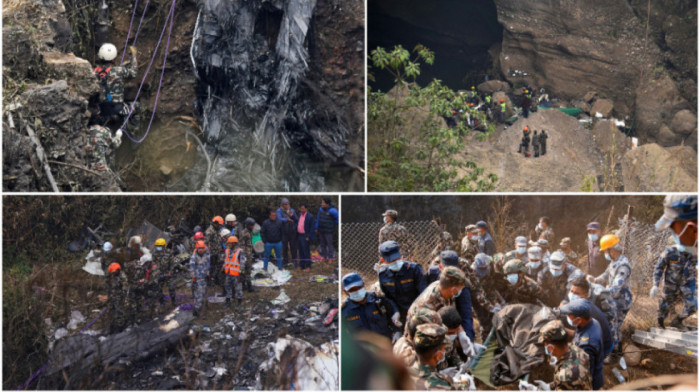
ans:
x=429 y=316
x=138 y=274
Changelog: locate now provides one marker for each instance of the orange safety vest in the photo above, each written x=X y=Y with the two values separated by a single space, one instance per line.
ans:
x=231 y=264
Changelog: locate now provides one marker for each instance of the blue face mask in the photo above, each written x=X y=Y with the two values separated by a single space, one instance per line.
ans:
x=571 y=322
x=458 y=293
x=607 y=257
x=693 y=250
x=593 y=237
x=159 y=248
x=573 y=297
x=556 y=272
x=358 y=295
x=533 y=264
x=512 y=278
x=521 y=250
x=395 y=266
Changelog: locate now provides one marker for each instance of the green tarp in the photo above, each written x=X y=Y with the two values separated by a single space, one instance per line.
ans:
x=574 y=112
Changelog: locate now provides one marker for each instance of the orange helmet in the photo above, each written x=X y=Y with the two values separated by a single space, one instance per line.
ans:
x=114 y=267
x=502 y=100
x=526 y=129
x=199 y=235
x=231 y=239
x=200 y=244
x=454 y=111
x=471 y=105
x=218 y=219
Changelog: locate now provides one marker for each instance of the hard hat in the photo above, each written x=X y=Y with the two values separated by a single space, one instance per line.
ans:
x=678 y=207
x=198 y=235
x=249 y=221
x=526 y=91
x=472 y=87
x=230 y=218
x=200 y=244
x=502 y=100
x=107 y=52
x=471 y=105
x=114 y=267
x=107 y=246
x=526 y=129
x=481 y=261
x=557 y=258
x=232 y=239
x=160 y=242
x=224 y=232
x=513 y=267
x=608 y=241
x=218 y=219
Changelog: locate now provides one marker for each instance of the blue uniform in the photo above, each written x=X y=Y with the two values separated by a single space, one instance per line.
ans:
x=616 y=280
x=368 y=316
x=589 y=338
x=199 y=269
x=403 y=286
x=678 y=270
x=463 y=303
x=486 y=244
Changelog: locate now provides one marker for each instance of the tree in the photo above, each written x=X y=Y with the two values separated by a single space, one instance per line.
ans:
x=410 y=146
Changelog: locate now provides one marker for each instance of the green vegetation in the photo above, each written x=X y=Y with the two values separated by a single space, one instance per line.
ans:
x=410 y=147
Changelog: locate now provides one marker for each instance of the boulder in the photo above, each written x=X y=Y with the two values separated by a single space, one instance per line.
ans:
x=602 y=106
x=590 y=96
x=684 y=122
x=492 y=86
x=584 y=106
x=657 y=100
x=609 y=139
x=666 y=137
x=632 y=354
x=75 y=70
x=653 y=168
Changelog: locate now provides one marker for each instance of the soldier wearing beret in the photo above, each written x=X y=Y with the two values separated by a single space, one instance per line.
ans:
x=392 y=231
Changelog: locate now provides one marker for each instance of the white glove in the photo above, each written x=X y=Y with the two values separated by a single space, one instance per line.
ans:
x=395 y=338
x=119 y=133
x=526 y=386
x=496 y=308
x=396 y=319
x=653 y=291
x=590 y=278
x=478 y=348
x=543 y=385
x=466 y=343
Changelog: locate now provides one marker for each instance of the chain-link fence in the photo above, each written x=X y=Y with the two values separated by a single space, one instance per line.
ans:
x=361 y=245
x=642 y=245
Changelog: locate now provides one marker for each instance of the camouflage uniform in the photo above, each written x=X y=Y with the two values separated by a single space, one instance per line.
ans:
x=112 y=80
x=214 y=244
x=546 y=234
x=469 y=248
x=199 y=270
x=119 y=305
x=428 y=378
x=572 y=369
x=513 y=254
x=616 y=280
x=245 y=241
x=404 y=349
x=555 y=288
x=679 y=272
x=393 y=231
x=234 y=282
x=166 y=263
x=100 y=142
x=431 y=298
x=445 y=243
x=147 y=287
x=527 y=291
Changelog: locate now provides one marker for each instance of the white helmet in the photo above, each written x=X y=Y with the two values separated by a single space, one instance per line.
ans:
x=145 y=259
x=108 y=52
x=107 y=247
x=230 y=218
x=224 y=232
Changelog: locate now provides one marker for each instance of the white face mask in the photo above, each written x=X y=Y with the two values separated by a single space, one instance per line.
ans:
x=159 y=248
x=386 y=220
x=452 y=337
x=441 y=360
x=512 y=278
x=358 y=295
x=533 y=264
x=571 y=322
x=593 y=237
x=556 y=272
x=693 y=250
x=552 y=359
x=573 y=297
x=607 y=257
x=395 y=266
x=539 y=226
x=458 y=293
x=521 y=249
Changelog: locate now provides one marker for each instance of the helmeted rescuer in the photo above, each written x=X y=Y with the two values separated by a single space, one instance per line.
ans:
x=502 y=112
x=118 y=302
x=164 y=259
x=199 y=271
x=111 y=78
x=678 y=263
x=234 y=262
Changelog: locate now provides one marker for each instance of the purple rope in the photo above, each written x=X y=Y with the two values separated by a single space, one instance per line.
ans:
x=171 y=18
x=138 y=30
x=34 y=376
x=131 y=23
x=93 y=321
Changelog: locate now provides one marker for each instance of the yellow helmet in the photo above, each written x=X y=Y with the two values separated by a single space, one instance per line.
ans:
x=608 y=241
x=526 y=91
x=472 y=87
x=160 y=242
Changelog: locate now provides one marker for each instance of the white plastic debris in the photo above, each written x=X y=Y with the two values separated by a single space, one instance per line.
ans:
x=157 y=373
x=281 y=299
x=273 y=277
x=93 y=268
x=216 y=299
x=315 y=367
x=60 y=333
x=172 y=324
x=76 y=318
x=220 y=370
x=619 y=123
x=635 y=142
x=598 y=115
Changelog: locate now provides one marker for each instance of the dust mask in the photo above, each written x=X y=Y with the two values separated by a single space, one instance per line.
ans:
x=358 y=295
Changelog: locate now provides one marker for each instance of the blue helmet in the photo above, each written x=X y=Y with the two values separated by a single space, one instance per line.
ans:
x=678 y=207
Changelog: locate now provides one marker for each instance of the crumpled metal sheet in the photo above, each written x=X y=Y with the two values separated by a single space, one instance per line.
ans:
x=306 y=367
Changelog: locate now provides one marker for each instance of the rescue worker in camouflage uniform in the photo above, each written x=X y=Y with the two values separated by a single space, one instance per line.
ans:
x=520 y=251
x=101 y=143
x=678 y=264
x=147 y=286
x=555 y=279
x=565 y=246
x=199 y=272
x=234 y=262
x=544 y=245
x=392 y=231
x=521 y=289
x=571 y=364
x=401 y=281
x=111 y=78
x=444 y=243
x=440 y=293
x=118 y=301
x=493 y=285
x=363 y=310
x=245 y=241
x=616 y=280
x=470 y=243
x=214 y=241
x=473 y=297
x=163 y=257
x=455 y=354
x=430 y=343
x=404 y=348
x=534 y=262
x=544 y=231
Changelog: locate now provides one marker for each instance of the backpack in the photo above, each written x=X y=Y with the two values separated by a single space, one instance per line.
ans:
x=102 y=75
